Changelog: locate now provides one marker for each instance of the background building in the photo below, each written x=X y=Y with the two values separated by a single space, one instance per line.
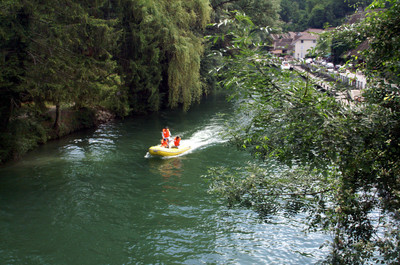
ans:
x=295 y=44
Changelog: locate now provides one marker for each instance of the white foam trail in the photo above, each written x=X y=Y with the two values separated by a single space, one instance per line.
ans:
x=207 y=135
x=210 y=135
x=203 y=137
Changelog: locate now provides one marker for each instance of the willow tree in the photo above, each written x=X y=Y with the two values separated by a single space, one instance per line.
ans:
x=161 y=50
x=189 y=17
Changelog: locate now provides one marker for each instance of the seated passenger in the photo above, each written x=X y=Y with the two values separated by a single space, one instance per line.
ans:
x=177 y=141
x=164 y=143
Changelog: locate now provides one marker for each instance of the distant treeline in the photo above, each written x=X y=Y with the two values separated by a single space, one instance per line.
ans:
x=298 y=15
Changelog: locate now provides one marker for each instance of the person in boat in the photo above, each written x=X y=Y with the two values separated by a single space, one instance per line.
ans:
x=164 y=143
x=165 y=133
x=177 y=141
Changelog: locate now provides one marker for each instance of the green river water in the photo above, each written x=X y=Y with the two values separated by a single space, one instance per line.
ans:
x=95 y=197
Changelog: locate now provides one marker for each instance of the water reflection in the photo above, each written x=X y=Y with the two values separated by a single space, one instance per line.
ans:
x=94 y=148
x=166 y=167
x=171 y=168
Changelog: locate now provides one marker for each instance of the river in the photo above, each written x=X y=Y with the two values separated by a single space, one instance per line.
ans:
x=95 y=197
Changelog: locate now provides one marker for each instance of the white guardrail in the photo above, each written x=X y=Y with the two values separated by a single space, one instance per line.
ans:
x=356 y=80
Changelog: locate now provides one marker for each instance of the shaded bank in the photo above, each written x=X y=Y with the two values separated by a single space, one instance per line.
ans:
x=29 y=131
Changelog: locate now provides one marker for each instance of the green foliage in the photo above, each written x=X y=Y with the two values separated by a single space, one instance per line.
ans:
x=300 y=15
x=71 y=52
x=318 y=17
x=14 y=21
x=23 y=135
x=268 y=17
x=382 y=30
x=184 y=66
x=139 y=54
x=324 y=45
x=338 y=163
x=273 y=190
x=119 y=55
x=161 y=50
x=57 y=52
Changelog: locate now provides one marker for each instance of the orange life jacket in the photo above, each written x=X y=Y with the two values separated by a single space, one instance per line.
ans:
x=166 y=133
x=177 y=141
x=164 y=143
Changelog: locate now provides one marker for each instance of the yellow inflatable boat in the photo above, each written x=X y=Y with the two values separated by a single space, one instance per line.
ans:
x=158 y=150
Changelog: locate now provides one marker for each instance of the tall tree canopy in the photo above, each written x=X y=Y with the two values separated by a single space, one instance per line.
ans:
x=161 y=50
x=338 y=163
x=54 y=52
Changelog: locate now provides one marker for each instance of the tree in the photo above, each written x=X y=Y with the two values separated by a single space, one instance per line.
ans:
x=318 y=17
x=75 y=49
x=96 y=54
x=64 y=55
x=310 y=13
x=13 y=52
x=337 y=163
x=289 y=11
x=268 y=16
x=161 y=50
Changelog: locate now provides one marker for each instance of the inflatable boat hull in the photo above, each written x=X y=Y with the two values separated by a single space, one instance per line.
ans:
x=162 y=151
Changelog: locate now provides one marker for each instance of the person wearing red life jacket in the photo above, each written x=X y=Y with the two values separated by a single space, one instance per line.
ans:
x=164 y=143
x=166 y=134
x=177 y=141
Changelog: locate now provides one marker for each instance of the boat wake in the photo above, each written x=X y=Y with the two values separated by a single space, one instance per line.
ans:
x=201 y=137
x=210 y=135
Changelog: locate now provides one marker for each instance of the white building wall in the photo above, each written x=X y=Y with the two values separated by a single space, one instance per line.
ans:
x=301 y=49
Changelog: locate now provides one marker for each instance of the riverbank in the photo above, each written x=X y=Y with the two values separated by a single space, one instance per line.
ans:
x=27 y=132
